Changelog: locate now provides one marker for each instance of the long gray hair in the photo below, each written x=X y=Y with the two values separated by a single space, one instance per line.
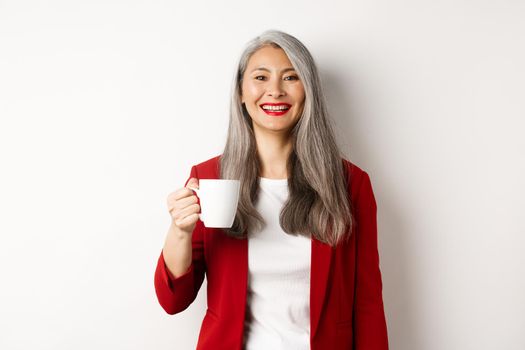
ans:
x=318 y=203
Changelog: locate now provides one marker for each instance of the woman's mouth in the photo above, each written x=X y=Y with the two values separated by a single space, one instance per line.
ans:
x=275 y=109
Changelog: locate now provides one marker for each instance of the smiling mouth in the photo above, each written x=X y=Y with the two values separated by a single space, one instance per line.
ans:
x=275 y=110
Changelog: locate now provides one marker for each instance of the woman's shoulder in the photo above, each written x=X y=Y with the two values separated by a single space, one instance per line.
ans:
x=357 y=177
x=208 y=168
x=353 y=170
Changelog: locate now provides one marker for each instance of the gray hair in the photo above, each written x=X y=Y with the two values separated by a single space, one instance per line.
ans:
x=318 y=204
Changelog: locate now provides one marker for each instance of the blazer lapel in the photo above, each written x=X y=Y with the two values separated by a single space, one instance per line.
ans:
x=321 y=260
x=238 y=251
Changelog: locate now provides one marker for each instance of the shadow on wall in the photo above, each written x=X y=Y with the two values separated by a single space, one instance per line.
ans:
x=399 y=294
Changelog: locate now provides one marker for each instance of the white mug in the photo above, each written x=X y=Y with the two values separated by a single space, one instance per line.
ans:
x=218 y=201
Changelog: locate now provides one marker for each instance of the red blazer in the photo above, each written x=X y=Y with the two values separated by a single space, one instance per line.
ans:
x=346 y=304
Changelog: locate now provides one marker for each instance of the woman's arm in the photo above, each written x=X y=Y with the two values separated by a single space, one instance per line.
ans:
x=176 y=290
x=370 y=330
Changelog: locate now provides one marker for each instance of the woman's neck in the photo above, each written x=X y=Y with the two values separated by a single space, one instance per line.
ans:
x=273 y=155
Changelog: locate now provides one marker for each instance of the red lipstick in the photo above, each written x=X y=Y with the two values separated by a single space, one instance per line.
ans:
x=276 y=109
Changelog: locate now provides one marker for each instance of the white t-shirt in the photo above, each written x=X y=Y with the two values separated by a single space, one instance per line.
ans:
x=278 y=298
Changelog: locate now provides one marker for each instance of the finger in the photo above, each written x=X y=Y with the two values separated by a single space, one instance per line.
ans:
x=180 y=193
x=191 y=209
x=180 y=215
x=183 y=202
x=188 y=220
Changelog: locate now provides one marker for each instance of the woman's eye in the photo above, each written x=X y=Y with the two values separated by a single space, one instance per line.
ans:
x=290 y=77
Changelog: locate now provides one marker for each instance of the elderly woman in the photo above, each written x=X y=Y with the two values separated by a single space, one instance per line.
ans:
x=299 y=268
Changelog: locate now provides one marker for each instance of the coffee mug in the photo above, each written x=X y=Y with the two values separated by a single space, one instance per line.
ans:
x=218 y=201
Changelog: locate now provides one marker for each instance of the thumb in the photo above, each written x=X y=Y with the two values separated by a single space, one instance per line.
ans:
x=194 y=182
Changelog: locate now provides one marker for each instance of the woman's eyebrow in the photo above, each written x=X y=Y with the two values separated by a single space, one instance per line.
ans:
x=284 y=70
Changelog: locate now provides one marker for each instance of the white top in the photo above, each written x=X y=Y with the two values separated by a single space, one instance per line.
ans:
x=278 y=298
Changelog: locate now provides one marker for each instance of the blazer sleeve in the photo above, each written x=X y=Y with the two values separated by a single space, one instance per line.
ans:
x=370 y=330
x=176 y=294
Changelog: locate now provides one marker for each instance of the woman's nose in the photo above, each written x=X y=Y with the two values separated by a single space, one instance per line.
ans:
x=275 y=89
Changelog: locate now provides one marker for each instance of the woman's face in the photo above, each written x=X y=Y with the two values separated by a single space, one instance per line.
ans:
x=271 y=79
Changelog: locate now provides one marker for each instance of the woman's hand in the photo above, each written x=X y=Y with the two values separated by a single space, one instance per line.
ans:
x=183 y=207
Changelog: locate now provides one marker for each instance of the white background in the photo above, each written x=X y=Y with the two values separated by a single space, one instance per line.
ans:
x=105 y=105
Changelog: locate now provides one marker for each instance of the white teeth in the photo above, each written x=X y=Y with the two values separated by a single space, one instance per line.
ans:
x=275 y=108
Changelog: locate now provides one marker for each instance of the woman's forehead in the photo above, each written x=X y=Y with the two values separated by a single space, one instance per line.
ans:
x=269 y=59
